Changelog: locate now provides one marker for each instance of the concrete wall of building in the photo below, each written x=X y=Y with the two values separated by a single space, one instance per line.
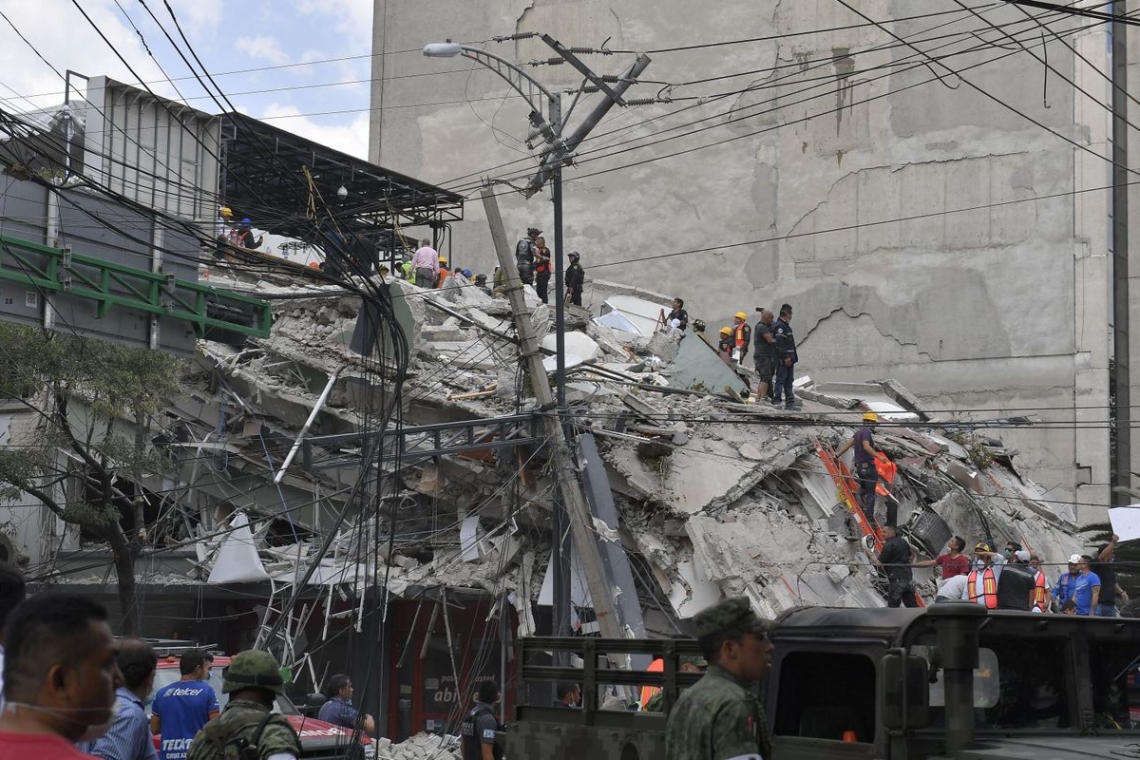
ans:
x=1004 y=308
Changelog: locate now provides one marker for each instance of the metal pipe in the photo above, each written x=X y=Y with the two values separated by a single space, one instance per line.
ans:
x=957 y=626
x=308 y=423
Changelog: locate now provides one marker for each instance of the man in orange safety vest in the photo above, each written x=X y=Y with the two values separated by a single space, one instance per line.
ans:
x=982 y=583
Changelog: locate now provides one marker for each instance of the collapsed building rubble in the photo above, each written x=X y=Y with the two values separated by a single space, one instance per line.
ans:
x=713 y=497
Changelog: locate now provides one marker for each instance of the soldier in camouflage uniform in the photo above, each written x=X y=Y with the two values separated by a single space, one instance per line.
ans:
x=246 y=729
x=689 y=664
x=718 y=718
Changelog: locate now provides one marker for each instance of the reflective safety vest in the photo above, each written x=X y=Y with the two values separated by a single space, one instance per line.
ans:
x=741 y=335
x=887 y=471
x=657 y=666
x=1040 y=588
x=989 y=588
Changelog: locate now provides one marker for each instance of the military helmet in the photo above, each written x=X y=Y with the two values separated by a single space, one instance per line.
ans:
x=253 y=669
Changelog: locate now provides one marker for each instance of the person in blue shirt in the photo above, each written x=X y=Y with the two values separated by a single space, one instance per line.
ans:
x=1086 y=587
x=129 y=736
x=1063 y=588
x=182 y=708
x=338 y=710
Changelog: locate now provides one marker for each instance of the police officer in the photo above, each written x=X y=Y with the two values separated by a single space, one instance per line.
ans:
x=480 y=727
x=719 y=717
x=525 y=250
x=246 y=729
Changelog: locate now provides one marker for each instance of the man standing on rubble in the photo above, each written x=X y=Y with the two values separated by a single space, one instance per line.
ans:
x=741 y=337
x=895 y=559
x=575 y=279
x=677 y=318
x=864 y=459
x=786 y=358
x=719 y=717
x=425 y=263
x=542 y=269
x=525 y=250
x=764 y=354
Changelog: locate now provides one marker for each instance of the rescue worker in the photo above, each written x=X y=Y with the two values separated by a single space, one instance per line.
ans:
x=524 y=255
x=1063 y=588
x=1042 y=598
x=245 y=234
x=719 y=717
x=741 y=337
x=499 y=282
x=247 y=726
x=1017 y=587
x=406 y=268
x=481 y=283
x=982 y=582
x=677 y=318
x=443 y=272
x=425 y=263
x=764 y=356
x=724 y=347
x=895 y=559
x=786 y=358
x=864 y=460
x=575 y=279
x=542 y=268
x=689 y=664
x=479 y=730
x=222 y=230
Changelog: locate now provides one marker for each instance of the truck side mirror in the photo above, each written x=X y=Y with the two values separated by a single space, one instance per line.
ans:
x=904 y=699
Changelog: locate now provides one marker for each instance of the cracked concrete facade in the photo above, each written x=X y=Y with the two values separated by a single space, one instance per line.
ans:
x=1003 y=308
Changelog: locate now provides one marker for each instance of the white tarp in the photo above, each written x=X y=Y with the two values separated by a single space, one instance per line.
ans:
x=237 y=558
x=1125 y=522
x=643 y=314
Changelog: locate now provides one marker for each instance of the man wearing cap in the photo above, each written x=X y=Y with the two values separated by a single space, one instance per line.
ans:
x=719 y=718
x=1016 y=588
x=253 y=681
x=864 y=460
x=689 y=664
x=1063 y=588
x=575 y=279
x=741 y=337
x=786 y=359
x=895 y=559
x=525 y=251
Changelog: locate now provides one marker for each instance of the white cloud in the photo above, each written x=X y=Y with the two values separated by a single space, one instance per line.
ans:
x=352 y=18
x=197 y=14
x=263 y=48
x=58 y=31
x=351 y=138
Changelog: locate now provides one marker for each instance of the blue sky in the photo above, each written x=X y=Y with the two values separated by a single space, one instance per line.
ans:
x=236 y=36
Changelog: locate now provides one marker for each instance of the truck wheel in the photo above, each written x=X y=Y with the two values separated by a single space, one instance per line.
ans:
x=629 y=752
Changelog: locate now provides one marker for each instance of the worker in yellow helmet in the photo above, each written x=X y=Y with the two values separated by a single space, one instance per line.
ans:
x=864 y=459
x=724 y=347
x=443 y=272
x=741 y=337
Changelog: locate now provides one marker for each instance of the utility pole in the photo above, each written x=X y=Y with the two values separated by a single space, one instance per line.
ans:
x=576 y=508
x=1121 y=429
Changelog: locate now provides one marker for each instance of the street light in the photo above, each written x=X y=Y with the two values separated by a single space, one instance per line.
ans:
x=533 y=92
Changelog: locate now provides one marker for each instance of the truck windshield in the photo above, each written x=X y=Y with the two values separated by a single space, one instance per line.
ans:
x=1021 y=684
x=1115 y=675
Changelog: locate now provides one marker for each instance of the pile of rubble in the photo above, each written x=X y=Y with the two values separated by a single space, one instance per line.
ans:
x=715 y=496
x=422 y=746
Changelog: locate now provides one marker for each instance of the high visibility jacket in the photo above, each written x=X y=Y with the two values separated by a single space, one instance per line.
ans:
x=542 y=261
x=742 y=335
x=1040 y=588
x=887 y=470
x=989 y=588
x=657 y=666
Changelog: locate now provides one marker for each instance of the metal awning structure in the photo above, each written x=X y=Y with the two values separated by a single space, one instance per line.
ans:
x=264 y=179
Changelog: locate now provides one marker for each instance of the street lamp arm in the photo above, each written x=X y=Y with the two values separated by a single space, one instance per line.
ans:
x=522 y=83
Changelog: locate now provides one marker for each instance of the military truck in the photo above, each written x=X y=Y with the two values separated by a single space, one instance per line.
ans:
x=950 y=681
